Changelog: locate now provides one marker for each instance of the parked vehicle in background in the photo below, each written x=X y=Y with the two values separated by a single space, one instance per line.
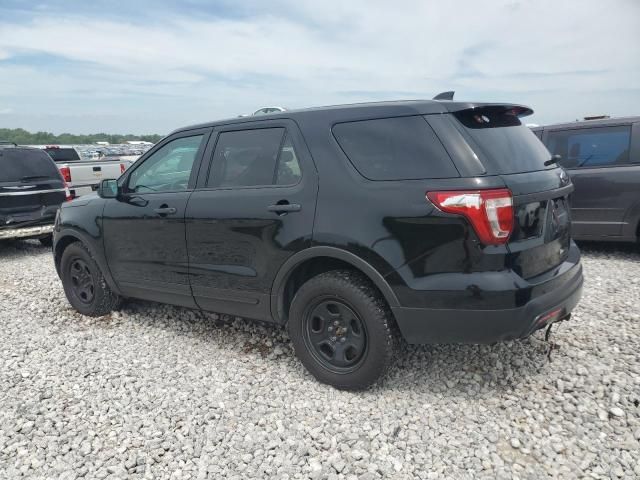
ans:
x=31 y=191
x=83 y=176
x=602 y=156
x=268 y=110
x=443 y=218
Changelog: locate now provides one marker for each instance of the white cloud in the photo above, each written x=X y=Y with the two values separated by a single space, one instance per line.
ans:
x=566 y=56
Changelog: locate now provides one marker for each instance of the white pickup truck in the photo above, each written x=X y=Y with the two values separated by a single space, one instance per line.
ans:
x=83 y=176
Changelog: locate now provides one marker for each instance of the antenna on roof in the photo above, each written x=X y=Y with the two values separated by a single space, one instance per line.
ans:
x=444 y=96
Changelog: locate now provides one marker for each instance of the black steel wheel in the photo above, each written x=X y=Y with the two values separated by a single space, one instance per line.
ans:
x=335 y=334
x=82 y=283
x=342 y=329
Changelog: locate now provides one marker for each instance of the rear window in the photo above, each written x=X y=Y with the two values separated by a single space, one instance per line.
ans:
x=24 y=165
x=503 y=144
x=63 y=154
x=591 y=147
x=402 y=148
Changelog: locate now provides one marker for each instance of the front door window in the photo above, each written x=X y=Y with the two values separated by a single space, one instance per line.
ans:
x=168 y=169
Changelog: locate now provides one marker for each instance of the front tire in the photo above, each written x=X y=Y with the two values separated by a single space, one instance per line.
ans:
x=341 y=330
x=83 y=282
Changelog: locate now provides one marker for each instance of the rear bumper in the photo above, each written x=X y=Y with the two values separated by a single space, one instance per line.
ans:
x=26 y=232
x=80 y=189
x=549 y=300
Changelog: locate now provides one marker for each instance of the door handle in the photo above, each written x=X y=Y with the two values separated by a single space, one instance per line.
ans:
x=164 y=210
x=282 y=208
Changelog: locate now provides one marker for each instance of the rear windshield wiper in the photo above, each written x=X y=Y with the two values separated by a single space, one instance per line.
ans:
x=552 y=160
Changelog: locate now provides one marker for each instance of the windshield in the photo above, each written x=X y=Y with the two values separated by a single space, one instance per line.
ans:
x=503 y=144
x=19 y=165
x=63 y=154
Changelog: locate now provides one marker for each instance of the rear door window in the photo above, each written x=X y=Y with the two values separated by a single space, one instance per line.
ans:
x=400 y=148
x=20 y=165
x=253 y=158
x=503 y=144
x=591 y=147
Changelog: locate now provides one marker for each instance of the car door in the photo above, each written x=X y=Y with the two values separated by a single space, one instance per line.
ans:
x=597 y=159
x=254 y=207
x=144 y=229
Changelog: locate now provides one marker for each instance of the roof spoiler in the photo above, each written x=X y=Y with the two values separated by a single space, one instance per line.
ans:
x=445 y=96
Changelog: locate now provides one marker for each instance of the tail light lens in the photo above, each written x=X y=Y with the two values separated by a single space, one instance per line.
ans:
x=67 y=193
x=490 y=212
x=66 y=173
x=122 y=168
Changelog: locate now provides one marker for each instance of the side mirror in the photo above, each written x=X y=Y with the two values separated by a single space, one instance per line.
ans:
x=108 y=188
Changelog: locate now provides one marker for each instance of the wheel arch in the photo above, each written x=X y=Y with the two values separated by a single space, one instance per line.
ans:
x=66 y=237
x=317 y=260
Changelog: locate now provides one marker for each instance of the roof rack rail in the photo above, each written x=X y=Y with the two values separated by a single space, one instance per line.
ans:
x=4 y=143
x=445 y=95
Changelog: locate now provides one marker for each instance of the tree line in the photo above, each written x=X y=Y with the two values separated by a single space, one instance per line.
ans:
x=22 y=137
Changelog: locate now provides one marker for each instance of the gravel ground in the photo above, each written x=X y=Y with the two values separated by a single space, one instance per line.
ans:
x=163 y=392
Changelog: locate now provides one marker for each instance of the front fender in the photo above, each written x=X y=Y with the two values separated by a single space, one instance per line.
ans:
x=82 y=221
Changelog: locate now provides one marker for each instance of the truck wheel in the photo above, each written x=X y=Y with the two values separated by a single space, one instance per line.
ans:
x=341 y=329
x=84 y=285
x=46 y=241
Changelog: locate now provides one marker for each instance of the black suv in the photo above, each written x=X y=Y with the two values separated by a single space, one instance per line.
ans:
x=602 y=157
x=441 y=219
x=31 y=191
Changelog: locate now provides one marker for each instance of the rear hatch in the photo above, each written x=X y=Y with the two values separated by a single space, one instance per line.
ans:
x=506 y=148
x=31 y=188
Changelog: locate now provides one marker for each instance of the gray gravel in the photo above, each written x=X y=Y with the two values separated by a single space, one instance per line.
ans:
x=162 y=392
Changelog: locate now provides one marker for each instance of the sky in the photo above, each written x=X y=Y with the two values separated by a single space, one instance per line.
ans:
x=151 y=66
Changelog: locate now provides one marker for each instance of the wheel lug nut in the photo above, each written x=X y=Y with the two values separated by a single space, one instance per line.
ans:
x=330 y=328
x=333 y=339
x=343 y=339
x=335 y=323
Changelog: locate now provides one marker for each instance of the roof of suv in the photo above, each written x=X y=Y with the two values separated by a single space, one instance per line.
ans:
x=388 y=108
x=590 y=123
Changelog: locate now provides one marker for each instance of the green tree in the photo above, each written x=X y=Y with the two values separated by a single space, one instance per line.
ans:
x=22 y=137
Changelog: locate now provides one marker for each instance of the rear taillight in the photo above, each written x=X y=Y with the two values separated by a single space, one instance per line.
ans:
x=66 y=173
x=67 y=193
x=122 y=168
x=490 y=212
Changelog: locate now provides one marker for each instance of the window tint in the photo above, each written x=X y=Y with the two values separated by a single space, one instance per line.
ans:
x=17 y=164
x=288 y=169
x=394 y=149
x=63 y=154
x=503 y=144
x=246 y=158
x=167 y=169
x=591 y=147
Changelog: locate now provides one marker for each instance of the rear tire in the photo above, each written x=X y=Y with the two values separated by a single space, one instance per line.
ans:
x=83 y=282
x=46 y=241
x=341 y=330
